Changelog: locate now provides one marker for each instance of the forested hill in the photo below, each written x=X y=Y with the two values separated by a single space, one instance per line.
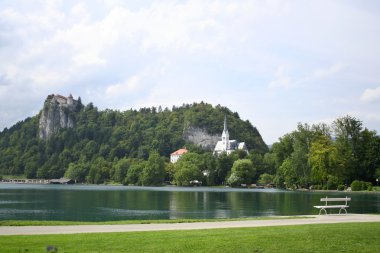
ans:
x=109 y=135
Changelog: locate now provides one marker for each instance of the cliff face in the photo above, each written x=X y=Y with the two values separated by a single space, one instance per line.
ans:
x=200 y=137
x=58 y=112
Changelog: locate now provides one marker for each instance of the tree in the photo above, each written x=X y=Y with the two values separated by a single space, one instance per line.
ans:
x=286 y=175
x=242 y=172
x=120 y=170
x=265 y=179
x=185 y=173
x=347 y=131
x=77 y=172
x=223 y=168
x=154 y=170
x=134 y=173
x=188 y=168
x=322 y=158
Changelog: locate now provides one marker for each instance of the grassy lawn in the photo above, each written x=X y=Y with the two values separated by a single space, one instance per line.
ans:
x=349 y=237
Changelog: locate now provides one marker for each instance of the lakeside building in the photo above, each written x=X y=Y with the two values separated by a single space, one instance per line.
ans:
x=177 y=154
x=226 y=145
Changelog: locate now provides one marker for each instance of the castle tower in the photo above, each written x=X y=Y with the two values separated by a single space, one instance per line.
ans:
x=225 y=136
x=70 y=100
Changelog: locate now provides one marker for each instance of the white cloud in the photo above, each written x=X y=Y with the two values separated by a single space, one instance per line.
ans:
x=124 y=88
x=371 y=95
x=330 y=71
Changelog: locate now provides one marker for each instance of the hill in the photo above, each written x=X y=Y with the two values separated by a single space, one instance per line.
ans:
x=67 y=132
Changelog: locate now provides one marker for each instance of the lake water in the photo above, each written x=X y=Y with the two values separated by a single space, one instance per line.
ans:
x=105 y=203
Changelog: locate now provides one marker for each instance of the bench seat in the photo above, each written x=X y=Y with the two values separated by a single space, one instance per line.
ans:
x=335 y=206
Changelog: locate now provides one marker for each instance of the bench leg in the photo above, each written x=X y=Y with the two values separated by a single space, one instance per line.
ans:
x=343 y=209
x=323 y=210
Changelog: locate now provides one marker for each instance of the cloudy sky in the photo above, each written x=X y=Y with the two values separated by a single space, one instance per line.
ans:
x=276 y=63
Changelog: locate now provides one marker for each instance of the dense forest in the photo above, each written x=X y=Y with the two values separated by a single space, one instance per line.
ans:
x=133 y=147
x=105 y=145
x=328 y=156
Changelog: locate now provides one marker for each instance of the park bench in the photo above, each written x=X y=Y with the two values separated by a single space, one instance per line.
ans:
x=326 y=206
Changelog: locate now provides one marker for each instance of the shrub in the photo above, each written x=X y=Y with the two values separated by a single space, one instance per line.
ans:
x=369 y=186
x=356 y=185
x=332 y=182
x=341 y=187
x=265 y=179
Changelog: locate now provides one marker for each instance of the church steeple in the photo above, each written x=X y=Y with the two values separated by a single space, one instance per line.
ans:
x=225 y=135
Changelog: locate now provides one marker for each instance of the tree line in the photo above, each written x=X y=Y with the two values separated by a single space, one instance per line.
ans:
x=327 y=156
x=104 y=144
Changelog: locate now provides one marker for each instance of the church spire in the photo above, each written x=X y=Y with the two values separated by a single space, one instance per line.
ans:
x=225 y=136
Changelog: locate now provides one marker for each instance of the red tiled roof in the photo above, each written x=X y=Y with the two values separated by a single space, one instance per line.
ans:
x=180 y=152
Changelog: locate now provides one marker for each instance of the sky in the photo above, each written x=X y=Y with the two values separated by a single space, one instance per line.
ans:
x=275 y=62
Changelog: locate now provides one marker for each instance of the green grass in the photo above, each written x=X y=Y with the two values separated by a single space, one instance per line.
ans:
x=123 y=222
x=348 y=237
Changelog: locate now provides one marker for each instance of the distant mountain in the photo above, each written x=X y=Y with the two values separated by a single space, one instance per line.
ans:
x=66 y=131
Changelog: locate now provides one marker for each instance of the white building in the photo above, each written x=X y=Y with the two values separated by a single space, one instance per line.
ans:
x=227 y=145
x=177 y=154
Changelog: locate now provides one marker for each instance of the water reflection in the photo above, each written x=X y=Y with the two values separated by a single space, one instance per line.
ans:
x=100 y=203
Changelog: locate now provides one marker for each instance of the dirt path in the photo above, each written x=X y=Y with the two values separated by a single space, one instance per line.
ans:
x=315 y=219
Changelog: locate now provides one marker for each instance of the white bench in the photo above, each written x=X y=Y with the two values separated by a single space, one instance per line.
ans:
x=326 y=206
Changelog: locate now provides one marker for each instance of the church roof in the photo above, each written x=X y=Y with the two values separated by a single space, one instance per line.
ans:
x=180 y=152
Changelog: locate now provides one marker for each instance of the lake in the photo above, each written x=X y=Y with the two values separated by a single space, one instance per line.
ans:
x=106 y=203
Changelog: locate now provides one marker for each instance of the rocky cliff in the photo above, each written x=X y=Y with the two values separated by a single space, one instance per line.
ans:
x=200 y=137
x=58 y=112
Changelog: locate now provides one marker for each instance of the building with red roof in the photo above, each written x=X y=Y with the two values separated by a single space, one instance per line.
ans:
x=177 y=154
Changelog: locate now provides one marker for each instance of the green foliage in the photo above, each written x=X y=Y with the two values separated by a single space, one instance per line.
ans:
x=104 y=145
x=357 y=185
x=134 y=173
x=341 y=187
x=265 y=179
x=242 y=172
x=77 y=172
x=154 y=170
x=188 y=168
x=332 y=182
x=310 y=155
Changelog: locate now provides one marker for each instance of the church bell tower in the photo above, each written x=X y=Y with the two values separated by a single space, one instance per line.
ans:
x=225 y=136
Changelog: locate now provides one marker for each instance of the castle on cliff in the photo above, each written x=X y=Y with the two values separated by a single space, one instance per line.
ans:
x=62 y=100
x=226 y=145
x=56 y=115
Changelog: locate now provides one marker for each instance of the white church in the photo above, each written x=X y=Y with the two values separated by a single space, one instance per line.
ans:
x=226 y=145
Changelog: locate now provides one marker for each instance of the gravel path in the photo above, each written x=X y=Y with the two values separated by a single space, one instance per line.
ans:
x=312 y=219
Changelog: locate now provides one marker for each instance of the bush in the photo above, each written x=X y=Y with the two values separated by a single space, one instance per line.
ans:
x=341 y=187
x=357 y=185
x=332 y=182
x=369 y=186
x=265 y=179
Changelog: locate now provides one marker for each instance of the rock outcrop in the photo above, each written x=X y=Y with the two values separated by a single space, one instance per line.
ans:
x=200 y=137
x=58 y=112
